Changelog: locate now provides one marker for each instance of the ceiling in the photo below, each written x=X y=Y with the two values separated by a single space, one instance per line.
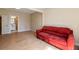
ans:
x=23 y=10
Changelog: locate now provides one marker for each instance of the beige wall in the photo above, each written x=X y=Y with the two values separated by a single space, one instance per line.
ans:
x=63 y=17
x=24 y=23
x=36 y=21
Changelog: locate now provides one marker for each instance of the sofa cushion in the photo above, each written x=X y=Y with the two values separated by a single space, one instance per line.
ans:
x=59 y=40
x=43 y=33
x=45 y=36
x=56 y=33
x=57 y=29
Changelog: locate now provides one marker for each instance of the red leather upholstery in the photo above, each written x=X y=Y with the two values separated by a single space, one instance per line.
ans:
x=58 y=36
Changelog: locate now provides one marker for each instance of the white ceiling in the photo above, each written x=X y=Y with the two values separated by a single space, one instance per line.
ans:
x=23 y=10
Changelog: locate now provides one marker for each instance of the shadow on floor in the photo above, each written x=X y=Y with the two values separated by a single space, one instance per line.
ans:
x=76 y=47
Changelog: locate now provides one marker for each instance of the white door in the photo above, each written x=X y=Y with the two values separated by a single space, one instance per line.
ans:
x=5 y=24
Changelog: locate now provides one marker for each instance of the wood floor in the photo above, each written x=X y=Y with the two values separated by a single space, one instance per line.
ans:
x=23 y=41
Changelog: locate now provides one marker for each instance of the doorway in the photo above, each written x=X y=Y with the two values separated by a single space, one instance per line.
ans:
x=0 y=25
x=14 y=24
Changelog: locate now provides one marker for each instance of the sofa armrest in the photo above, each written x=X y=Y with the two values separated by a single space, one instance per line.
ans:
x=39 y=30
x=70 y=42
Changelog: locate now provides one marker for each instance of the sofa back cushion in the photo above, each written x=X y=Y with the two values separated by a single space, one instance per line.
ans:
x=55 y=33
x=60 y=30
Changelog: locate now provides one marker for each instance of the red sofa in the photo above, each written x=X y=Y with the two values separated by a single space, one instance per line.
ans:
x=57 y=36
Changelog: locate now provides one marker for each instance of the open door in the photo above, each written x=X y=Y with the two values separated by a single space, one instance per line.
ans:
x=0 y=25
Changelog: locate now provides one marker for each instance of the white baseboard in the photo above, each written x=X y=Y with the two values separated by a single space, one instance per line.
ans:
x=24 y=30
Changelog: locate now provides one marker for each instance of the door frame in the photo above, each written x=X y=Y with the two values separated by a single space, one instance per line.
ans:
x=16 y=21
x=1 y=25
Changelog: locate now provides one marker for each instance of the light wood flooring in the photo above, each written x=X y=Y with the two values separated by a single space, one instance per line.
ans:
x=23 y=41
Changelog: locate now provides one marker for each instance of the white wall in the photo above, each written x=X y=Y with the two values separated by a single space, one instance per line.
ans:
x=5 y=24
x=63 y=17
x=36 y=21
x=24 y=20
x=24 y=23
